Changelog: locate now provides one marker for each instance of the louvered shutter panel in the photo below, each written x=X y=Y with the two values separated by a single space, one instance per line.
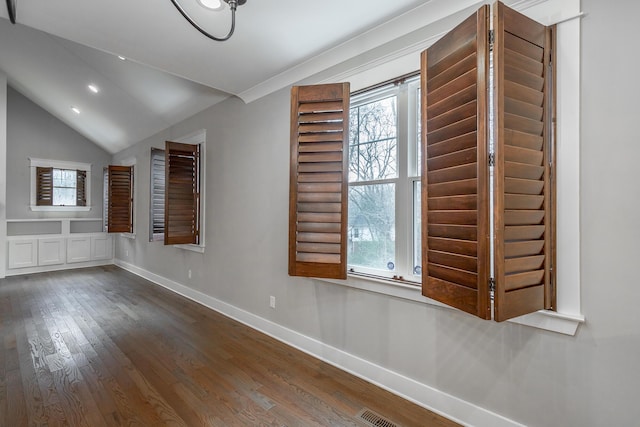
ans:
x=522 y=187
x=455 y=181
x=156 y=230
x=81 y=191
x=319 y=181
x=120 y=212
x=105 y=199
x=182 y=198
x=44 y=186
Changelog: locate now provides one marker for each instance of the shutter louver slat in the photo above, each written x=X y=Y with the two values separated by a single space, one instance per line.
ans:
x=455 y=182
x=318 y=187
x=156 y=226
x=182 y=193
x=44 y=186
x=522 y=188
x=120 y=209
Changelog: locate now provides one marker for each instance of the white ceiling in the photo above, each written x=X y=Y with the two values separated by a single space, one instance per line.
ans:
x=172 y=71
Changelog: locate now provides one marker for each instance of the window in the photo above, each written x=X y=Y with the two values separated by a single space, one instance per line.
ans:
x=481 y=239
x=384 y=182
x=175 y=211
x=59 y=185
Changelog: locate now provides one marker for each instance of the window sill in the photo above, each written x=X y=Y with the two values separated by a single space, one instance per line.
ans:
x=131 y=236
x=35 y=208
x=193 y=248
x=562 y=323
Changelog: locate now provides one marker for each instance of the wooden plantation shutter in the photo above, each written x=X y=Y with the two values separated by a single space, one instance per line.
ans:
x=44 y=186
x=81 y=191
x=455 y=180
x=156 y=227
x=120 y=212
x=522 y=187
x=319 y=181
x=182 y=197
x=105 y=199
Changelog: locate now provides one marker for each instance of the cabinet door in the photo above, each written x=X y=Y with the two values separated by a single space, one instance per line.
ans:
x=78 y=249
x=101 y=247
x=51 y=251
x=23 y=253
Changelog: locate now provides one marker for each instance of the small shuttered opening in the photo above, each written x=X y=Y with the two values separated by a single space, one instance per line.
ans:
x=522 y=183
x=81 y=190
x=44 y=186
x=120 y=210
x=182 y=193
x=455 y=208
x=318 y=186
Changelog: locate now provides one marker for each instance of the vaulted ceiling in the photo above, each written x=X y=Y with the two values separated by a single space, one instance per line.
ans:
x=57 y=48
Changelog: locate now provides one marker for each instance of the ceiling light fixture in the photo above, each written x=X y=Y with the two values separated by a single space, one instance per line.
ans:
x=93 y=88
x=11 y=10
x=212 y=4
x=75 y=110
x=122 y=58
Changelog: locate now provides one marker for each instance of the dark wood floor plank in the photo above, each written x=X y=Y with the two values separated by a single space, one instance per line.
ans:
x=103 y=347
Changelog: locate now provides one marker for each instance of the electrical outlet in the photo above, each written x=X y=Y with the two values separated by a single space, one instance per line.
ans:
x=126 y=252
x=272 y=301
x=189 y=273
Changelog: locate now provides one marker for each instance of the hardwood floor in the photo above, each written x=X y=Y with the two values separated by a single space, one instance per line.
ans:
x=103 y=347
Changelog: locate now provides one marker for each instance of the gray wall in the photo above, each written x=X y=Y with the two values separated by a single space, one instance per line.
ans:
x=532 y=376
x=33 y=132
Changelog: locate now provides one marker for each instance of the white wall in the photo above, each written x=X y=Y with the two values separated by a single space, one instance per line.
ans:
x=33 y=132
x=531 y=376
x=3 y=177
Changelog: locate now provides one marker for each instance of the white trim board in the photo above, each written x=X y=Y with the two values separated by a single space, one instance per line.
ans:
x=449 y=406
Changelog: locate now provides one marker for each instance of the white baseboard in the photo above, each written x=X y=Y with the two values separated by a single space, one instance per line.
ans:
x=428 y=397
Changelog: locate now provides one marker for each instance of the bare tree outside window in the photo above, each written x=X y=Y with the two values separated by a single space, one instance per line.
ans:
x=373 y=171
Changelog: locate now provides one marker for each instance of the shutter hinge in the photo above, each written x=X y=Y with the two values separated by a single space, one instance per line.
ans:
x=492 y=159
x=491 y=39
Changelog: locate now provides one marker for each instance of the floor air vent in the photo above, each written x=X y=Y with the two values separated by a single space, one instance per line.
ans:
x=374 y=420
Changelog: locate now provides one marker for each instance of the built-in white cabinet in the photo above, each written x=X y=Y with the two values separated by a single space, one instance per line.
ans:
x=78 y=249
x=56 y=244
x=101 y=247
x=51 y=251
x=23 y=253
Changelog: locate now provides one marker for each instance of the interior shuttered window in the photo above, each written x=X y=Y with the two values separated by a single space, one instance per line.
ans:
x=81 y=184
x=156 y=209
x=455 y=179
x=44 y=186
x=182 y=193
x=120 y=210
x=319 y=181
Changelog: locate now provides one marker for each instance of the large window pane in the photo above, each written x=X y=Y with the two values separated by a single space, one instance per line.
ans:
x=371 y=230
x=64 y=187
x=373 y=141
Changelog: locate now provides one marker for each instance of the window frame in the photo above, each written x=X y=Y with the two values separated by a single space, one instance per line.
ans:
x=35 y=163
x=405 y=89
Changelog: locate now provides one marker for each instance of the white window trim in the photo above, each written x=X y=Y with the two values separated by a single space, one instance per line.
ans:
x=58 y=164
x=568 y=316
x=198 y=137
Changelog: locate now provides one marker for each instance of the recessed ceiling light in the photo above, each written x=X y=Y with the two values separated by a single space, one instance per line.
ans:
x=75 y=110
x=212 y=4
x=121 y=57
x=93 y=88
